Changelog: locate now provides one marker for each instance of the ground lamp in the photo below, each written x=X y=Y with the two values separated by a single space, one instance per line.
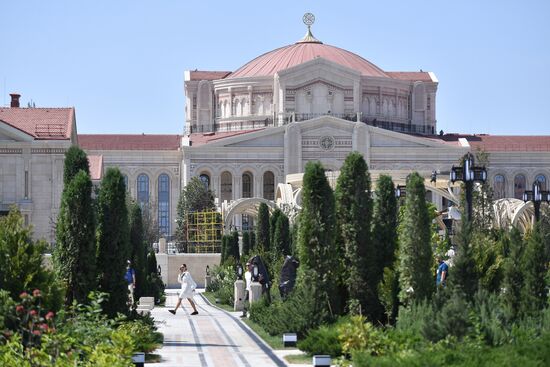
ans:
x=239 y=272
x=536 y=196
x=468 y=173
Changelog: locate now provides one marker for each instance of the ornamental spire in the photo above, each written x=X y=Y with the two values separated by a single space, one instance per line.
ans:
x=308 y=20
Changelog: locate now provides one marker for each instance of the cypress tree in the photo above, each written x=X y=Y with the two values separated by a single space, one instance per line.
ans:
x=112 y=241
x=465 y=276
x=415 y=263
x=224 y=250
x=262 y=229
x=318 y=255
x=385 y=224
x=281 y=237
x=75 y=160
x=513 y=277
x=353 y=216
x=246 y=244
x=234 y=249
x=138 y=249
x=252 y=248
x=74 y=254
x=534 y=269
x=272 y=223
x=385 y=244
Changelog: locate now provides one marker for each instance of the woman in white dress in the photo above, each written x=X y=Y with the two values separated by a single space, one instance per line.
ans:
x=188 y=286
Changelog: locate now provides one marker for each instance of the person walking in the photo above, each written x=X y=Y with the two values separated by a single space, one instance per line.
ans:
x=248 y=280
x=130 y=278
x=442 y=273
x=188 y=286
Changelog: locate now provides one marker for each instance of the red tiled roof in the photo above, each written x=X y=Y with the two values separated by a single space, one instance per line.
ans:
x=208 y=75
x=96 y=166
x=500 y=143
x=422 y=76
x=128 y=142
x=516 y=143
x=298 y=53
x=205 y=138
x=40 y=123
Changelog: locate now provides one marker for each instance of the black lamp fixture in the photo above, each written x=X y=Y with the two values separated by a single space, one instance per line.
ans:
x=468 y=173
x=536 y=196
x=400 y=191
x=255 y=273
x=239 y=272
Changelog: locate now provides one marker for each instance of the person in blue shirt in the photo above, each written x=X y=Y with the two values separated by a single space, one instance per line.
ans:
x=130 y=278
x=442 y=273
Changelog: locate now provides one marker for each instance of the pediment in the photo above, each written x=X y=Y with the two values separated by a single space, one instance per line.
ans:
x=267 y=138
x=381 y=138
x=319 y=69
x=10 y=133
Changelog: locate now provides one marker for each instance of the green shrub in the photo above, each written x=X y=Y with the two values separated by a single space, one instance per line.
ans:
x=295 y=314
x=323 y=340
x=144 y=336
x=223 y=283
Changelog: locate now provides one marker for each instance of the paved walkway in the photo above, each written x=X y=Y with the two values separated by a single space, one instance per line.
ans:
x=213 y=338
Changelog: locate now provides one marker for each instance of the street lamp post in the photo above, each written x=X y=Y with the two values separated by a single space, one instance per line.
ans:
x=536 y=196
x=468 y=173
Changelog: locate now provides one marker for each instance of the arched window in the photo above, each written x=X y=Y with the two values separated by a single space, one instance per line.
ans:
x=519 y=186
x=205 y=179
x=499 y=187
x=269 y=185
x=164 y=204
x=143 y=190
x=226 y=186
x=247 y=185
x=542 y=181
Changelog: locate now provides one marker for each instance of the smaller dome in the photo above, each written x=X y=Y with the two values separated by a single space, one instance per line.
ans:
x=288 y=56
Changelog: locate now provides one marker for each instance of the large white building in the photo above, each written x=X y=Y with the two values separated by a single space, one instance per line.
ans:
x=249 y=133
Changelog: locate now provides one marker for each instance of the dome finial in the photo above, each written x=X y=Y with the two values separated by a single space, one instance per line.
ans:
x=308 y=20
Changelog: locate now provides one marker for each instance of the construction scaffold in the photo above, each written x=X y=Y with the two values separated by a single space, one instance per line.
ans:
x=204 y=232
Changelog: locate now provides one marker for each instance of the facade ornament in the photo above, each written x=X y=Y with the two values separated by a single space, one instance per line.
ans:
x=308 y=20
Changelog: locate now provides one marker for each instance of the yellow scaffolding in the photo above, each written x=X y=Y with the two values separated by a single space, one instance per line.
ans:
x=204 y=232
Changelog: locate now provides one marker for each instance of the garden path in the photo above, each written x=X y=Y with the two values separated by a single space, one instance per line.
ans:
x=213 y=338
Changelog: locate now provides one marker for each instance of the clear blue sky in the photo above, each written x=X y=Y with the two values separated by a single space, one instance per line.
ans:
x=121 y=63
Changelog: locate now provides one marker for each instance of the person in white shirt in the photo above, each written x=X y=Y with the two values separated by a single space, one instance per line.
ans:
x=248 y=280
x=188 y=286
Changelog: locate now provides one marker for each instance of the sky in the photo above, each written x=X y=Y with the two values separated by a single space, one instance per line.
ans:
x=121 y=63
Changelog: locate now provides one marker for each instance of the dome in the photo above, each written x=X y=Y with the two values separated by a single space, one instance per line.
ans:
x=288 y=56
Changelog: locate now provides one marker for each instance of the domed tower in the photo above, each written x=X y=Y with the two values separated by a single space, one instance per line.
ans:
x=305 y=80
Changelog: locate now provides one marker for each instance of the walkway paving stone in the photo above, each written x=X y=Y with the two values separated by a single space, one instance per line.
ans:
x=213 y=338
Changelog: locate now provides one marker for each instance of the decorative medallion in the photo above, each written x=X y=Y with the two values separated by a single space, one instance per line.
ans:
x=326 y=143
x=308 y=19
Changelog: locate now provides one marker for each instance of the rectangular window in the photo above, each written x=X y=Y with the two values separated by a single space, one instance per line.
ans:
x=26 y=184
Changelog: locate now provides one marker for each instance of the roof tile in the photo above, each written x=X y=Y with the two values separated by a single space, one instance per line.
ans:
x=128 y=142
x=40 y=123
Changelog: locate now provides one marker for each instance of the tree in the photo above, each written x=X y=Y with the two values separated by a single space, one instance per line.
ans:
x=272 y=223
x=513 y=277
x=22 y=263
x=385 y=223
x=75 y=160
x=155 y=285
x=384 y=232
x=234 y=246
x=353 y=217
x=534 y=269
x=416 y=259
x=195 y=197
x=465 y=277
x=112 y=241
x=262 y=229
x=74 y=254
x=317 y=251
x=281 y=236
x=138 y=249
x=246 y=244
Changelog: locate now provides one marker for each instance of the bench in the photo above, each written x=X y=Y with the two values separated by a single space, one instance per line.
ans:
x=145 y=305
